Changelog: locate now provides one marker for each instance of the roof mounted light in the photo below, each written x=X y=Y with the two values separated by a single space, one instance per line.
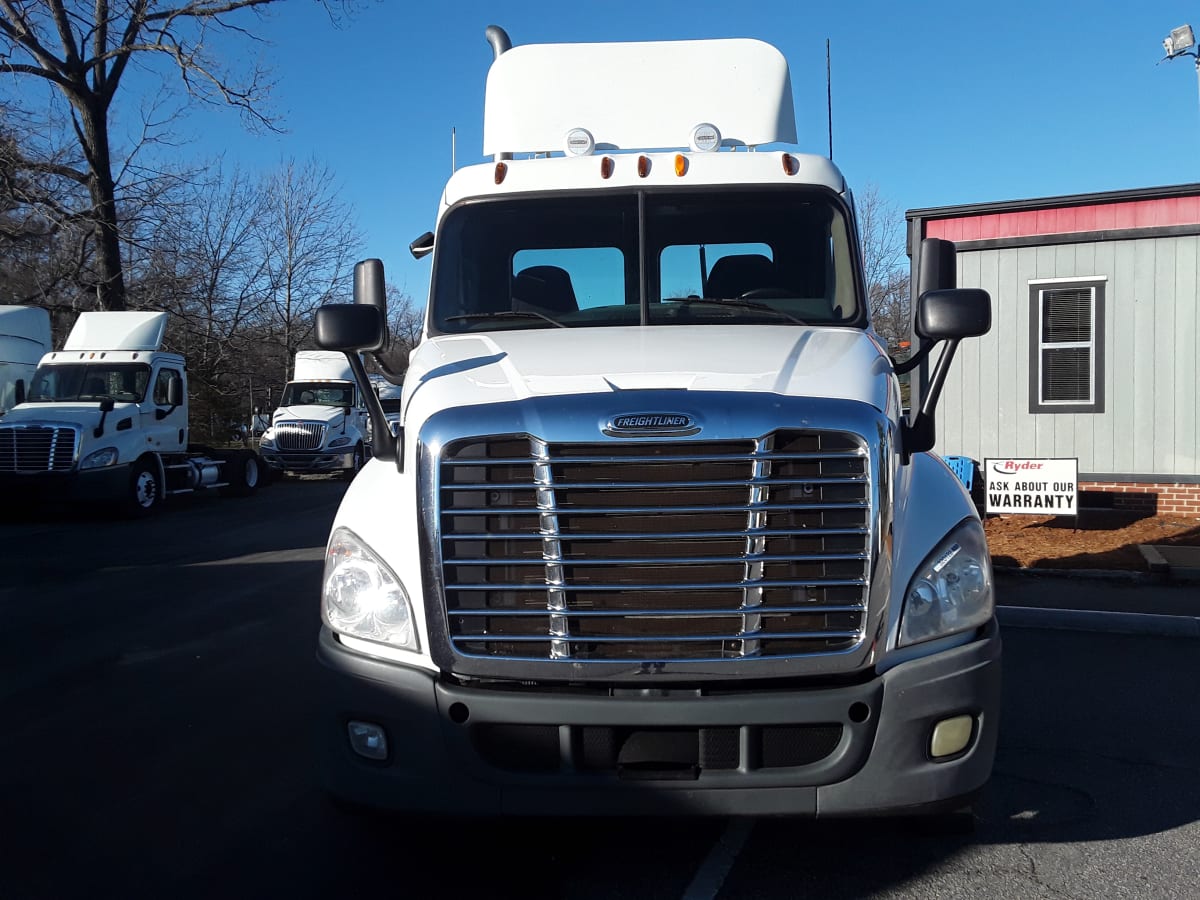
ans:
x=1179 y=40
x=706 y=138
x=579 y=142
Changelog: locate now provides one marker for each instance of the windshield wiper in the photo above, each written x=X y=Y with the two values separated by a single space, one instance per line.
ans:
x=505 y=314
x=736 y=302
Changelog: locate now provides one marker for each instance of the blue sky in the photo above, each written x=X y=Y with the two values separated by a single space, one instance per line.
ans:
x=934 y=103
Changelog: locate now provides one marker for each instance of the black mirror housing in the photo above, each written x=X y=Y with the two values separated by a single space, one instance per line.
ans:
x=949 y=314
x=350 y=327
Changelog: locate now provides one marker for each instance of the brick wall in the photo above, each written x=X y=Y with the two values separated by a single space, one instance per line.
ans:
x=1164 y=498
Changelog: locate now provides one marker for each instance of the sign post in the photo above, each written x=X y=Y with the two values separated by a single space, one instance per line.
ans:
x=1036 y=487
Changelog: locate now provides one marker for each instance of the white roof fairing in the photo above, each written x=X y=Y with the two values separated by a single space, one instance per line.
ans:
x=641 y=95
x=117 y=331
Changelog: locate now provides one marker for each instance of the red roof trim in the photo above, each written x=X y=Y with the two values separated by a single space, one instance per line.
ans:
x=1153 y=213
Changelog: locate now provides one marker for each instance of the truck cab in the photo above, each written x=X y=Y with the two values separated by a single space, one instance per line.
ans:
x=321 y=425
x=654 y=534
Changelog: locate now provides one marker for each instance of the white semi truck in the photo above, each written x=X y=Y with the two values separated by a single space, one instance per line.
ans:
x=24 y=339
x=655 y=535
x=321 y=425
x=106 y=419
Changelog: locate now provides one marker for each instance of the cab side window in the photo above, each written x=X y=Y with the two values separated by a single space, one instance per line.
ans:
x=161 y=382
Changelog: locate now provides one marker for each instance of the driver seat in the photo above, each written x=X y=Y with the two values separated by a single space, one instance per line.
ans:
x=732 y=276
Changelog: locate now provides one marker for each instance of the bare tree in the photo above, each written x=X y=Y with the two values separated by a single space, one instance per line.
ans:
x=881 y=229
x=81 y=49
x=308 y=242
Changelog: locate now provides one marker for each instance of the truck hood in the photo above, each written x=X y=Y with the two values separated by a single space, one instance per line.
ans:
x=464 y=370
x=86 y=415
x=310 y=412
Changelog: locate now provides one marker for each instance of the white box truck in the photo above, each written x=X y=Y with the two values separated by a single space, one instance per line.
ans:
x=321 y=425
x=654 y=535
x=24 y=339
x=106 y=419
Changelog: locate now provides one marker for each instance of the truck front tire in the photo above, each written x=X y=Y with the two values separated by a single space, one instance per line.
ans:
x=356 y=464
x=145 y=492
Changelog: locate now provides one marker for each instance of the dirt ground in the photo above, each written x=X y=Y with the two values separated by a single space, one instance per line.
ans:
x=1097 y=539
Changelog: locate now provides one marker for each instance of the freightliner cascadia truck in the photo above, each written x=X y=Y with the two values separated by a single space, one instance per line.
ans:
x=105 y=420
x=655 y=534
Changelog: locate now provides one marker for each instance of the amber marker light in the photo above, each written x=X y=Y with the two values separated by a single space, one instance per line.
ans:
x=791 y=165
x=606 y=166
x=501 y=171
x=643 y=166
x=680 y=164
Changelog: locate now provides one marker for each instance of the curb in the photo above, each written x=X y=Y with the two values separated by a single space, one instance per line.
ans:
x=1147 y=624
x=1125 y=575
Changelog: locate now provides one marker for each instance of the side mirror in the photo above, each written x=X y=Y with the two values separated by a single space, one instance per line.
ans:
x=947 y=314
x=350 y=328
x=175 y=391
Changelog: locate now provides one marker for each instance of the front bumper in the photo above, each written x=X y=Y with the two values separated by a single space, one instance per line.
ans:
x=306 y=461
x=108 y=483
x=859 y=749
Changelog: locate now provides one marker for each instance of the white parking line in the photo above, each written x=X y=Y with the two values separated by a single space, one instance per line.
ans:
x=707 y=881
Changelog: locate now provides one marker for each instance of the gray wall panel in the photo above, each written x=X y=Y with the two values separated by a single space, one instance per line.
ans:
x=1151 y=419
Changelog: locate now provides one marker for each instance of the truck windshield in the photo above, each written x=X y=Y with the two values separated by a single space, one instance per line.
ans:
x=717 y=257
x=90 y=382
x=320 y=393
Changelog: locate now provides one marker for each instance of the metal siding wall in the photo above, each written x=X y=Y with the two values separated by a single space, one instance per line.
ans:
x=1141 y=365
x=1104 y=428
x=1120 y=351
x=1185 y=350
x=1151 y=418
x=1163 y=401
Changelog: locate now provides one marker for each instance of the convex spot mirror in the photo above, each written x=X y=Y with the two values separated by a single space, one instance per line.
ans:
x=350 y=327
x=953 y=313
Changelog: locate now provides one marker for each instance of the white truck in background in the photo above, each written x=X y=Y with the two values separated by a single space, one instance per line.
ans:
x=106 y=419
x=24 y=340
x=321 y=425
x=654 y=535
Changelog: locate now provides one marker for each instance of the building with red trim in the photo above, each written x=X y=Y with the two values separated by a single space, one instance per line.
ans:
x=1094 y=351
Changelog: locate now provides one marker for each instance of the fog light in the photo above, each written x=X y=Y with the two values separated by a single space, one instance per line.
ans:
x=951 y=736
x=368 y=739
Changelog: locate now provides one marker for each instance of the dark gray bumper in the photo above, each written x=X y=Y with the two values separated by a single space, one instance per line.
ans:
x=538 y=748
x=89 y=485
x=297 y=461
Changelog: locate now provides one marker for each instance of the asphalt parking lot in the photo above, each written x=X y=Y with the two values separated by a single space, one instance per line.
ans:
x=156 y=710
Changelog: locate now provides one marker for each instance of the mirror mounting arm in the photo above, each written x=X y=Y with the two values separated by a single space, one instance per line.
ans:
x=918 y=433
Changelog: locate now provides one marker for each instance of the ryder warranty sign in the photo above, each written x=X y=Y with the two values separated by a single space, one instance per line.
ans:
x=1033 y=486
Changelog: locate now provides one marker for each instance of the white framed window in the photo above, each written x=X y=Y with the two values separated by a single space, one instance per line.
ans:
x=1066 y=345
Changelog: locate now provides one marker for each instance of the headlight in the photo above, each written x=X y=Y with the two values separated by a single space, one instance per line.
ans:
x=339 y=442
x=100 y=459
x=362 y=597
x=267 y=439
x=952 y=590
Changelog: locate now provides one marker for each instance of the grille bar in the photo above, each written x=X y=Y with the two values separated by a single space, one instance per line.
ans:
x=812 y=608
x=630 y=510
x=665 y=485
x=607 y=552
x=698 y=458
x=654 y=560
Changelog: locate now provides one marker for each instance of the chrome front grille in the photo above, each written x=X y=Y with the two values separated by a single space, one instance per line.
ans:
x=38 y=448
x=647 y=552
x=299 y=435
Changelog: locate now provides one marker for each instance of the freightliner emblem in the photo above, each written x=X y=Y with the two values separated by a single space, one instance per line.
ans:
x=651 y=424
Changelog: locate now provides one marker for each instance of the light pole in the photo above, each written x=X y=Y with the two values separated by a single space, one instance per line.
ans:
x=1182 y=42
